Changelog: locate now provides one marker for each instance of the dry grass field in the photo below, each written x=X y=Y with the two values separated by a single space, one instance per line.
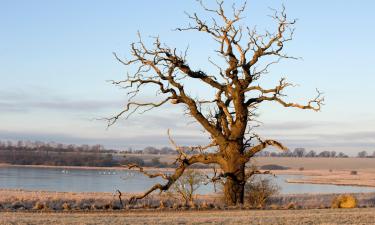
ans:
x=320 y=163
x=318 y=216
x=338 y=177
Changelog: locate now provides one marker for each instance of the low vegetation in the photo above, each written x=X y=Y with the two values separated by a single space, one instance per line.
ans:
x=344 y=201
x=185 y=188
x=19 y=200
x=258 y=190
x=273 y=167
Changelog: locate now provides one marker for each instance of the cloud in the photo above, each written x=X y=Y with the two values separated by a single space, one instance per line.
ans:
x=352 y=140
x=19 y=101
x=297 y=125
x=74 y=105
x=138 y=141
x=10 y=107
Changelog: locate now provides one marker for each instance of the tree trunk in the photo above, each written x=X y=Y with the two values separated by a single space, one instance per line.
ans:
x=234 y=187
x=234 y=171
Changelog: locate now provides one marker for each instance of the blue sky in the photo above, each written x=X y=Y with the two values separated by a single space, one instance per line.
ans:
x=55 y=58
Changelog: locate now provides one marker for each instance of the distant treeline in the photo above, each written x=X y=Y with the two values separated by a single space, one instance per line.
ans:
x=302 y=152
x=55 y=154
x=52 y=147
x=297 y=152
x=17 y=157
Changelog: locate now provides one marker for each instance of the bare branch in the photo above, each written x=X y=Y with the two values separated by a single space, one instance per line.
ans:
x=149 y=175
x=208 y=158
x=264 y=144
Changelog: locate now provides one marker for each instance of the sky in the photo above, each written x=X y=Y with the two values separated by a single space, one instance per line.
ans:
x=56 y=60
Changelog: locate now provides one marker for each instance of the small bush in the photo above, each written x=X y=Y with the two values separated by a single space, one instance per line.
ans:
x=258 y=190
x=187 y=185
x=204 y=205
x=273 y=167
x=66 y=206
x=345 y=202
x=18 y=205
x=39 y=206
x=301 y=168
x=353 y=172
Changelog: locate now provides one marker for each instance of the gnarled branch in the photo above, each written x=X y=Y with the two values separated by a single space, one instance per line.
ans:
x=264 y=144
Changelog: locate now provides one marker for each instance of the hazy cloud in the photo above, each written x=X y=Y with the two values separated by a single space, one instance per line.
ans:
x=112 y=142
x=12 y=101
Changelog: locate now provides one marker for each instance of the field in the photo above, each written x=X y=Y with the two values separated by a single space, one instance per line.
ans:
x=293 y=162
x=317 y=216
x=320 y=163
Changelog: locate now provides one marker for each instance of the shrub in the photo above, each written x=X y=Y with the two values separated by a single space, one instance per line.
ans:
x=18 y=205
x=353 y=172
x=258 y=190
x=204 y=205
x=186 y=186
x=344 y=201
x=39 y=206
x=273 y=167
x=301 y=168
x=66 y=206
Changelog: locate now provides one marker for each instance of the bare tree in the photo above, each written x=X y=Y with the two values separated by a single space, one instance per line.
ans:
x=229 y=115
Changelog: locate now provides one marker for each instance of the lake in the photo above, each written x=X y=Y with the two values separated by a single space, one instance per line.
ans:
x=93 y=180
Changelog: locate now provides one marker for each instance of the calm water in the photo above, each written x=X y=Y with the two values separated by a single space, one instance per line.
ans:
x=82 y=180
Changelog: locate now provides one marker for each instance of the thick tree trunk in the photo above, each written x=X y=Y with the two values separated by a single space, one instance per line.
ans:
x=234 y=171
x=234 y=188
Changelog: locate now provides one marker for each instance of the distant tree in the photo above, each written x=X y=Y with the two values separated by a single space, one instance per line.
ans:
x=311 y=153
x=332 y=154
x=362 y=154
x=299 y=152
x=228 y=111
x=342 y=155
x=167 y=150
x=324 y=154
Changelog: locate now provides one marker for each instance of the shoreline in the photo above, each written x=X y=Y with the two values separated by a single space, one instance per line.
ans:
x=3 y=165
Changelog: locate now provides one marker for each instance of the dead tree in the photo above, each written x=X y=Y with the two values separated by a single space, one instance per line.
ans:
x=229 y=115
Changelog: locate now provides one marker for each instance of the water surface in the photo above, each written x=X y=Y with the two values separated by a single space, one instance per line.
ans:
x=93 y=180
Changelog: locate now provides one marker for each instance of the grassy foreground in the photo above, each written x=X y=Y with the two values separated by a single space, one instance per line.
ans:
x=316 y=216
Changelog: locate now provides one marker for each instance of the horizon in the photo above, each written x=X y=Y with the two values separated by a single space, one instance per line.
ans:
x=56 y=59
